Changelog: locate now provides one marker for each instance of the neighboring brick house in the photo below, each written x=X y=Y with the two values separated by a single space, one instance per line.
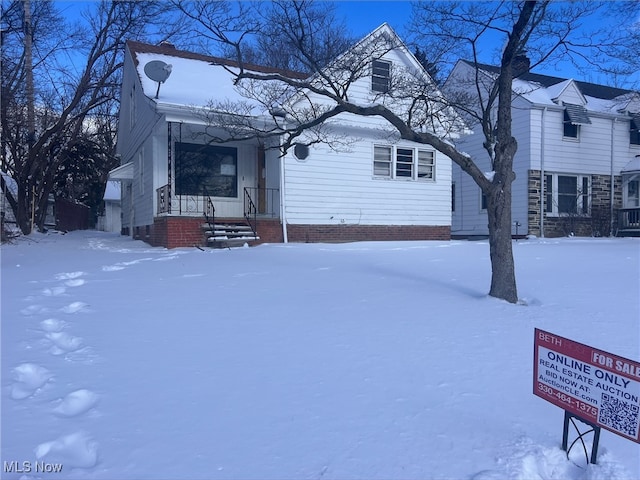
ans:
x=577 y=161
x=172 y=174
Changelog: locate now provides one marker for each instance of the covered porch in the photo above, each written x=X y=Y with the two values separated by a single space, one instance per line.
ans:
x=629 y=214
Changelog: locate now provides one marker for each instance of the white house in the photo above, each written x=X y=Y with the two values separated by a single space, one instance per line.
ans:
x=577 y=166
x=174 y=174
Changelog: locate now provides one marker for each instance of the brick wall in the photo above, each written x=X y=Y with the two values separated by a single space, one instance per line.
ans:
x=596 y=224
x=173 y=232
x=355 y=233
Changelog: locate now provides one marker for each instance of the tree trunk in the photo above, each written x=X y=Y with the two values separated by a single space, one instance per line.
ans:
x=503 y=278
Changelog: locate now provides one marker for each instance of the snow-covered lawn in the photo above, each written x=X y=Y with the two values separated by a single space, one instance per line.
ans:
x=300 y=361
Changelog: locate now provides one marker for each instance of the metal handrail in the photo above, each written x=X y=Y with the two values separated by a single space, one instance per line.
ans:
x=208 y=209
x=250 y=212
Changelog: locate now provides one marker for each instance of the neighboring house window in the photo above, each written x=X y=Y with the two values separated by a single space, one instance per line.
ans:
x=574 y=116
x=206 y=170
x=634 y=130
x=570 y=130
x=567 y=194
x=483 y=201
x=381 y=76
x=132 y=106
x=453 y=197
x=633 y=194
x=403 y=163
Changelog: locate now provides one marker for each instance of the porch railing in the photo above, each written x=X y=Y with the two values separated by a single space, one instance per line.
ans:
x=164 y=200
x=629 y=218
x=183 y=204
x=266 y=200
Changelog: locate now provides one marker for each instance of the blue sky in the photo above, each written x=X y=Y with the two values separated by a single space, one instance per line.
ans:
x=363 y=16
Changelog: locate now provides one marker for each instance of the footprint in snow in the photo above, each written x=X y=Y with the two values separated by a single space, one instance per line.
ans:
x=112 y=268
x=68 y=275
x=74 y=307
x=63 y=342
x=52 y=325
x=54 y=291
x=76 y=403
x=76 y=450
x=28 y=378
x=33 y=310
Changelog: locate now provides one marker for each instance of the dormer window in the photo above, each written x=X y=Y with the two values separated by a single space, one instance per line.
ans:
x=381 y=76
x=634 y=129
x=574 y=116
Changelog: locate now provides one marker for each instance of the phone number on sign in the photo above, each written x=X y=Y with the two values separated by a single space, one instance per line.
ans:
x=569 y=400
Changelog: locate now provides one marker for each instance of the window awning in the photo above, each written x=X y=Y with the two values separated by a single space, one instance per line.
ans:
x=123 y=172
x=577 y=114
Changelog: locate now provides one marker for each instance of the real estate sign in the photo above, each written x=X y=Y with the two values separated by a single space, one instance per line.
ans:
x=592 y=384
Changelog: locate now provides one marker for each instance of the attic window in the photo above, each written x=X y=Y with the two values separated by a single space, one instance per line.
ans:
x=634 y=129
x=381 y=76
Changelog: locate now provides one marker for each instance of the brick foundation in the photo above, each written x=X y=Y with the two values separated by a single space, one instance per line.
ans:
x=358 y=233
x=173 y=232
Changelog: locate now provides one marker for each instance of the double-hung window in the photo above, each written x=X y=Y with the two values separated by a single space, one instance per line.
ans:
x=380 y=76
x=567 y=194
x=403 y=163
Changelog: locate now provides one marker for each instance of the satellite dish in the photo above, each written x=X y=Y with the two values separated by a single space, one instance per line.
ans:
x=158 y=71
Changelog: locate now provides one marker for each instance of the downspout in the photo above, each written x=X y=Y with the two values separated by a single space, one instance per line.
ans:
x=613 y=189
x=283 y=210
x=543 y=196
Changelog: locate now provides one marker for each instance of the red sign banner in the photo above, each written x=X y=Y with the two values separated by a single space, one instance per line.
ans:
x=592 y=384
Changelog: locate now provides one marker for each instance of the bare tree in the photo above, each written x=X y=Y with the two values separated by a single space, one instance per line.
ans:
x=76 y=70
x=412 y=106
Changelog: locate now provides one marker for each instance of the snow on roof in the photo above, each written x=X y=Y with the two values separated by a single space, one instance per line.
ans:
x=633 y=165
x=12 y=186
x=544 y=89
x=112 y=191
x=195 y=79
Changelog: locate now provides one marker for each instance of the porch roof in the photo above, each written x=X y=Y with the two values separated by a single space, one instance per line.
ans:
x=123 y=172
x=632 y=166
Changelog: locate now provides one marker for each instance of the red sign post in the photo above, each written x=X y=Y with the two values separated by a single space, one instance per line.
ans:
x=602 y=388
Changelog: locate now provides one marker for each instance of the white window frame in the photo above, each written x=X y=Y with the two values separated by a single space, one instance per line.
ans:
x=378 y=79
x=631 y=192
x=553 y=195
x=391 y=162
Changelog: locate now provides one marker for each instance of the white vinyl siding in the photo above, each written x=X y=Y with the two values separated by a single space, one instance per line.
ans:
x=339 y=188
